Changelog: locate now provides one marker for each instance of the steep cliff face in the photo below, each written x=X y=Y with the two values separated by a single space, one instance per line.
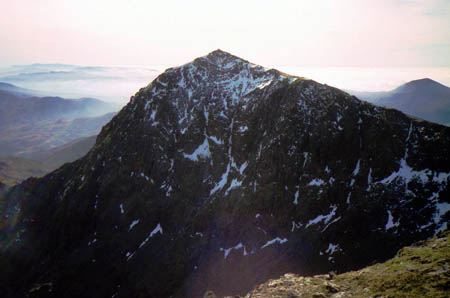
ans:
x=220 y=174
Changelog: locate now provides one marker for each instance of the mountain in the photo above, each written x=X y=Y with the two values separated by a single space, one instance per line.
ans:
x=425 y=98
x=416 y=271
x=219 y=175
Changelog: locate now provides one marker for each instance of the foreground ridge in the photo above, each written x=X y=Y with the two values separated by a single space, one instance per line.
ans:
x=421 y=270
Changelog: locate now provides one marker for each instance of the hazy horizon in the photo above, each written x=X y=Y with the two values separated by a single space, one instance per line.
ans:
x=117 y=84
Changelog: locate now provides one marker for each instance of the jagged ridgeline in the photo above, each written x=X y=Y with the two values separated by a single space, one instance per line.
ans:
x=221 y=174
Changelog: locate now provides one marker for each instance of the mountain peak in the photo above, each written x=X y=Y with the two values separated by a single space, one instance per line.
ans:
x=225 y=77
x=414 y=85
x=219 y=56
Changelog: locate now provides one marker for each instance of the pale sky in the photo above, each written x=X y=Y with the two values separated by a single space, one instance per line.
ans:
x=331 y=33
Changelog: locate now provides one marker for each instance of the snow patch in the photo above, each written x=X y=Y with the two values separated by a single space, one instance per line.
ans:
x=273 y=241
x=296 y=197
x=222 y=181
x=441 y=209
x=390 y=223
x=226 y=251
x=201 y=151
x=316 y=182
x=234 y=183
x=135 y=222
x=216 y=140
x=158 y=229
x=325 y=218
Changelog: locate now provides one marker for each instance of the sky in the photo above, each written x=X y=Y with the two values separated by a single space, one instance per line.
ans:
x=353 y=34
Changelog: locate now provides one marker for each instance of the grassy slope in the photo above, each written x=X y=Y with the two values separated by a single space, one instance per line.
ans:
x=422 y=270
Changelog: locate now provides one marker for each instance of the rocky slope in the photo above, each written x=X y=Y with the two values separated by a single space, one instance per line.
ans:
x=219 y=175
x=421 y=270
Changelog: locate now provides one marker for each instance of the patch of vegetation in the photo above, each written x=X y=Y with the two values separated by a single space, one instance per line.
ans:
x=421 y=270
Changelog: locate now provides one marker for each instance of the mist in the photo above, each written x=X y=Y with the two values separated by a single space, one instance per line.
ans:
x=110 y=84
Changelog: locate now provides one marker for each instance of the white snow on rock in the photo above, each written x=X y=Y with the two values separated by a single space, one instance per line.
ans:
x=94 y=240
x=332 y=248
x=390 y=223
x=201 y=151
x=296 y=226
x=234 y=183
x=135 y=222
x=316 y=182
x=222 y=181
x=273 y=241
x=324 y=218
x=158 y=229
x=243 y=167
x=407 y=173
x=226 y=251
x=216 y=140
x=441 y=209
x=296 y=197
x=355 y=172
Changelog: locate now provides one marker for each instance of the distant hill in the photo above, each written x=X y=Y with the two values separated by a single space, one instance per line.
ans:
x=26 y=138
x=14 y=170
x=30 y=124
x=17 y=90
x=69 y=152
x=16 y=107
x=425 y=98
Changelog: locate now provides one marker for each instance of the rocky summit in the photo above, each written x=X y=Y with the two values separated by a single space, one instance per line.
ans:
x=219 y=175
